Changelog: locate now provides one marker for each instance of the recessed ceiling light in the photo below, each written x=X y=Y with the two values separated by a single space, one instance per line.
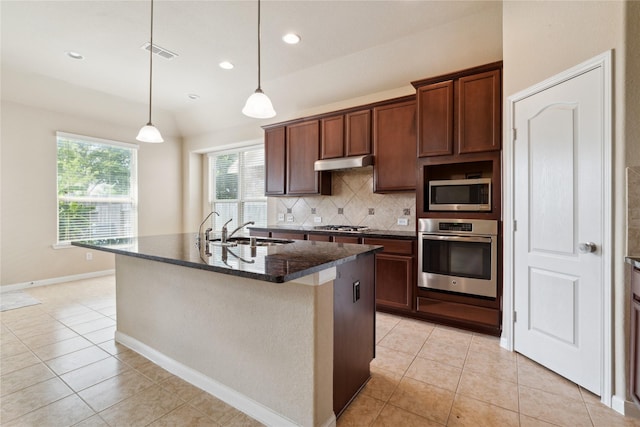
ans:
x=291 y=38
x=74 y=55
x=226 y=65
x=193 y=96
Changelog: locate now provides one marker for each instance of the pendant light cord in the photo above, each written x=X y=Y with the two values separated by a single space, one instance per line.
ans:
x=150 y=63
x=259 y=36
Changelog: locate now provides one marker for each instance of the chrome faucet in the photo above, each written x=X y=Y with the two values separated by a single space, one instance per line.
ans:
x=207 y=231
x=224 y=232
x=226 y=235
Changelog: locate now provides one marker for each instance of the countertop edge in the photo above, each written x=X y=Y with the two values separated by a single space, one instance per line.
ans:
x=231 y=272
x=375 y=234
x=634 y=261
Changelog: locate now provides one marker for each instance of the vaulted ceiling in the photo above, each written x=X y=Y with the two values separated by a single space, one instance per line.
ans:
x=348 y=49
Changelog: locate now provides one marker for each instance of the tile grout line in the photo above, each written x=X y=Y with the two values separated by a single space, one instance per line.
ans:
x=59 y=376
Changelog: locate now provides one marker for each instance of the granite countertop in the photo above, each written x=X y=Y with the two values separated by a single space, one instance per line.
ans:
x=388 y=234
x=278 y=264
x=634 y=261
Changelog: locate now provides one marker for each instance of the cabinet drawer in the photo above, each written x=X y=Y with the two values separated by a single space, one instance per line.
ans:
x=404 y=247
x=346 y=239
x=288 y=235
x=458 y=311
x=319 y=237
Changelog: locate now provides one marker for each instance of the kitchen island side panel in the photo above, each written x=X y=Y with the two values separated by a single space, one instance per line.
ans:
x=271 y=342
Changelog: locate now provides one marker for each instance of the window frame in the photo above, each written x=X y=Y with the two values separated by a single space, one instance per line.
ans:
x=131 y=199
x=217 y=222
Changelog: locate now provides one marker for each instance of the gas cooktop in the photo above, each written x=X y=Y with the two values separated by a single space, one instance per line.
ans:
x=350 y=228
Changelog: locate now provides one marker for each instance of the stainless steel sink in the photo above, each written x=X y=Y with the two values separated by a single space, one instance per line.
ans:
x=234 y=241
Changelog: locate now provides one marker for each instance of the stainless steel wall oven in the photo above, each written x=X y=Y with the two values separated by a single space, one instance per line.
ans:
x=458 y=255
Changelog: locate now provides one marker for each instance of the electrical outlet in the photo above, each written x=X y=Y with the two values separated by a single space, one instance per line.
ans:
x=280 y=217
x=88 y=256
x=317 y=219
x=289 y=217
x=356 y=291
x=403 y=221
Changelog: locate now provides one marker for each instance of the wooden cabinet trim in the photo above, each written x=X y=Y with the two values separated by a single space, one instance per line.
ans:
x=457 y=74
x=343 y=111
x=404 y=247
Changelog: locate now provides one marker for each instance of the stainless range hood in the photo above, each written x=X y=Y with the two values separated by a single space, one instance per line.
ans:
x=343 y=163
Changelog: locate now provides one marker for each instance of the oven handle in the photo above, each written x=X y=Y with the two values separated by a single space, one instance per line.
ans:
x=457 y=238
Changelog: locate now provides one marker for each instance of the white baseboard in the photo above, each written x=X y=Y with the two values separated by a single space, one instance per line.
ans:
x=624 y=407
x=55 y=280
x=211 y=386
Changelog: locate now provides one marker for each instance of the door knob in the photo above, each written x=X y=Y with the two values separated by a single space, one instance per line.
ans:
x=588 y=247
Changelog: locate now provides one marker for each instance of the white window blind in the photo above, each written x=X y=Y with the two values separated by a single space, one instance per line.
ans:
x=237 y=187
x=97 y=188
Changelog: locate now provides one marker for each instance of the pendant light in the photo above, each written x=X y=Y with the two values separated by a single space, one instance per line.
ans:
x=259 y=105
x=148 y=132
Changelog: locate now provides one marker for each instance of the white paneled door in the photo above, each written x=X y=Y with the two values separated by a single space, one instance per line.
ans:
x=558 y=209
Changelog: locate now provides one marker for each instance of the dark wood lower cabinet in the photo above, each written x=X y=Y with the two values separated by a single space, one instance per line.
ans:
x=395 y=273
x=354 y=329
x=394 y=280
x=634 y=359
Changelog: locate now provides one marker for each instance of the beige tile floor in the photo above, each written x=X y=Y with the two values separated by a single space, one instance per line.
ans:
x=59 y=366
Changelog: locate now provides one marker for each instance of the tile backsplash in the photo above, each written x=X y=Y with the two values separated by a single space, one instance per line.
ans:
x=633 y=211
x=352 y=202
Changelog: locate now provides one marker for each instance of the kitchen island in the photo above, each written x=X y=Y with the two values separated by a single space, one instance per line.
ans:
x=284 y=333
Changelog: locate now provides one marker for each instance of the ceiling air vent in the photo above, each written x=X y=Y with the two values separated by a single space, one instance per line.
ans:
x=160 y=51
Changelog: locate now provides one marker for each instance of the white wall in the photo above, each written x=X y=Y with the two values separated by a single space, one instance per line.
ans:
x=28 y=197
x=543 y=38
x=467 y=42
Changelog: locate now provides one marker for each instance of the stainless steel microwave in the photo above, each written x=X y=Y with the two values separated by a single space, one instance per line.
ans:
x=460 y=195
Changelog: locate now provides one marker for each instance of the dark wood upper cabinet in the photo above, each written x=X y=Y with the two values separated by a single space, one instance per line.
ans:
x=460 y=113
x=332 y=137
x=275 y=161
x=302 y=151
x=358 y=133
x=479 y=112
x=345 y=135
x=394 y=147
x=435 y=121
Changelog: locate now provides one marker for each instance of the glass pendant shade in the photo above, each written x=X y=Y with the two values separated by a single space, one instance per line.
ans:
x=259 y=106
x=149 y=133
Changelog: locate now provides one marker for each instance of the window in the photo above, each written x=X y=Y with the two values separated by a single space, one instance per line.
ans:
x=237 y=187
x=97 y=188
